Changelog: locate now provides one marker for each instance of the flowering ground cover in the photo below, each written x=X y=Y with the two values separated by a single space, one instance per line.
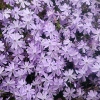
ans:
x=49 y=49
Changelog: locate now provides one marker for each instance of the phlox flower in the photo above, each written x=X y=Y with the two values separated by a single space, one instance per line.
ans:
x=92 y=95
x=42 y=96
x=11 y=2
x=96 y=35
x=1 y=72
x=69 y=76
x=16 y=12
x=28 y=67
x=49 y=28
x=69 y=93
x=6 y=13
x=11 y=69
x=1 y=46
x=23 y=3
x=86 y=62
x=36 y=5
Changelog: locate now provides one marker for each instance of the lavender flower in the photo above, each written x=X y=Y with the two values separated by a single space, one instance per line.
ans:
x=49 y=47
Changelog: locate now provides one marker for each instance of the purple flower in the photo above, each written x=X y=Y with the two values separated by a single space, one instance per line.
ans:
x=3 y=59
x=1 y=46
x=16 y=12
x=49 y=28
x=16 y=41
x=8 y=83
x=20 y=94
x=30 y=93
x=11 y=2
x=6 y=13
x=43 y=96
x=36 y=6
x=15 y=27
x=48 y=47
x=69 y=76
x=1 y=72
x=69 y=93
x=96 y=35
x=28 y=67
x=80 y=92
x=92 y=95
x=11 y=69
x=21 y=83
x=86 y=62
x=22 y=3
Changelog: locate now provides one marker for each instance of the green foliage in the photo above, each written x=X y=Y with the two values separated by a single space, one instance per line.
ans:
x=57 y=24
x=3 y=5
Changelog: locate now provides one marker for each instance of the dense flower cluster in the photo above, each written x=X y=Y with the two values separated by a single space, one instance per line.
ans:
x=50 y=48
